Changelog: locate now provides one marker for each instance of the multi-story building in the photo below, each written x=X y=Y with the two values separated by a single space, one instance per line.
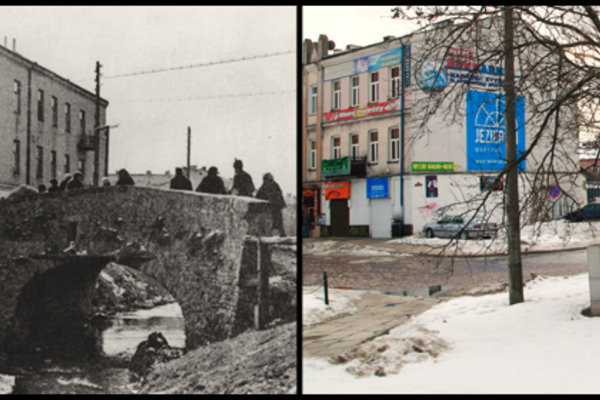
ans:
x=47 y=125
x=369 y=157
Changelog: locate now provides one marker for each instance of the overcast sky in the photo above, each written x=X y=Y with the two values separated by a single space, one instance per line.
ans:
x=254 y=118
x=359 y=25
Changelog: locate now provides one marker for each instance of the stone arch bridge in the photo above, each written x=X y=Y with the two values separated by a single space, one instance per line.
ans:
x=211 y=252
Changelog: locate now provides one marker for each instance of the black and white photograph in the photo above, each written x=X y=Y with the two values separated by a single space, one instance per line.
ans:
x=148 y=200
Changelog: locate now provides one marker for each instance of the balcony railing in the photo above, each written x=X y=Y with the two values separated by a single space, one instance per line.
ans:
x=86 y=142
x=344 y=166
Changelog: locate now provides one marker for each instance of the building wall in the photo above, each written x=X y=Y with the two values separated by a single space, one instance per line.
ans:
x=14 y=125
x=443 y=138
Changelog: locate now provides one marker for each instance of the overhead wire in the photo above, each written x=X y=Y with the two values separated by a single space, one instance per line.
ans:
x=194 y=98
x=196 y=65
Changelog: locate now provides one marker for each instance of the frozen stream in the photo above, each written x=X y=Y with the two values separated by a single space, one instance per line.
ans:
x=120 y=340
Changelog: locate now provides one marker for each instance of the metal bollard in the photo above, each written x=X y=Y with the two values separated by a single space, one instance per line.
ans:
x=593 y=255
x=325 y=288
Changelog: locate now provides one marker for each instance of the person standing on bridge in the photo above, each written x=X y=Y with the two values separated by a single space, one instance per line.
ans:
x=53 y=186
x=124 y=178
x=180 y=181
x=242 y=181
x=271 y=192
x=76 y=182
x=212 y=183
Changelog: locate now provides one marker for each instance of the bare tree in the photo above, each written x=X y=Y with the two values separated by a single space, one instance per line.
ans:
x=556 y=53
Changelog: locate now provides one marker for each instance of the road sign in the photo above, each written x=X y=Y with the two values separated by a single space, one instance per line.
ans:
x=554 y=191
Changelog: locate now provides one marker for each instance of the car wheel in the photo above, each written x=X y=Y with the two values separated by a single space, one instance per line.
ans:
x=464 y=235
x=429 y=233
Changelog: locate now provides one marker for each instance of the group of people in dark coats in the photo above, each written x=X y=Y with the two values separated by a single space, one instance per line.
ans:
x=242 y=186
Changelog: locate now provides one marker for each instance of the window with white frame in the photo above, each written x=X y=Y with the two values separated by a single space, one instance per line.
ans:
x=337 y=95
x=374 y=87
x=395 y=82
x=354 y=91
x=336 y=147
x=394 y=144
x=312 y=157
x=312 y=109
x=373 y=147
x=354 y=146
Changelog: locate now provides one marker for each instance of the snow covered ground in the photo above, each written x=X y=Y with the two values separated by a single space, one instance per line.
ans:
x=475 y=344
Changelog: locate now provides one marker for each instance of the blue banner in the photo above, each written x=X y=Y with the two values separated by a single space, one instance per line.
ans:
x=486 y=131
x=377 y=188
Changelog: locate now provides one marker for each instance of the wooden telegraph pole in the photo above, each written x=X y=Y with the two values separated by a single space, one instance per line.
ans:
x=189 y=142
x=97 y=127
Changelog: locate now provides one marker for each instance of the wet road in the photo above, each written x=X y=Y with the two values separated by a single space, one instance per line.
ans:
x=400 y=272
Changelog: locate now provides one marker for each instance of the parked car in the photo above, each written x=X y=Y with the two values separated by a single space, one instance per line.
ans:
x=589 y=212
x=459 y=226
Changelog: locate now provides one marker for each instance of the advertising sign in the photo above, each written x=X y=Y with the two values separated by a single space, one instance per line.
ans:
x=364 y=64
x=431 y=186
x=433 y=166
x=362 y=111
x=337 y=190
x=338 y=166
x=486 y=131
x=377 y=188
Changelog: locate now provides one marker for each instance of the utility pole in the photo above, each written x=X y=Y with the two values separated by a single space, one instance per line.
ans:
x=513 y=233
x=189 y=141
x=96 y=126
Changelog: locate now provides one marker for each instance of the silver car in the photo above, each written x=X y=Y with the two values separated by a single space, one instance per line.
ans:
x=453 y=226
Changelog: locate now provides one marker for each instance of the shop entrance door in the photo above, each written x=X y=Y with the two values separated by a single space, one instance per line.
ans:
x=339 y=217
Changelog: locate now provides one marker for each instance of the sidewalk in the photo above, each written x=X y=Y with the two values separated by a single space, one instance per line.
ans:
x=377 y=315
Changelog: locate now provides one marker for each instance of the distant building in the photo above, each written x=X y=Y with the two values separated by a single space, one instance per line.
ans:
x=46 y=125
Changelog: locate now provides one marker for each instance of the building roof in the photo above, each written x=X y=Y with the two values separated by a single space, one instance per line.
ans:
x=14 y=56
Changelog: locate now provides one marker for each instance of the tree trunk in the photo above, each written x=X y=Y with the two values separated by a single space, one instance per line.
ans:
x=515 y=276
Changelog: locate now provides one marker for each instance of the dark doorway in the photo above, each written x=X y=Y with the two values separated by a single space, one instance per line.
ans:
x=339 y=217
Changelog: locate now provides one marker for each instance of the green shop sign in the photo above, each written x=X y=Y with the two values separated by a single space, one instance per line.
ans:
x=433 y=166
x=338 y=166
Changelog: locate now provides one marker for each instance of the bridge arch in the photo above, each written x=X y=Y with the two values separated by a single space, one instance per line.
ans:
x=206 y=250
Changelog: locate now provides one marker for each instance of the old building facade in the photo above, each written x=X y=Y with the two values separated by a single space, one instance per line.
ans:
x=373 y=166
x=46 y=125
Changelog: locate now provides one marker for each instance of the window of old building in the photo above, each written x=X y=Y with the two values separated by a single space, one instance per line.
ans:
x=354 y=91
x=54 y=106
x=394 y=144
x=354 y=146
x=337 y=95
x=17 y=92
x=373 y=147
x=67 y=117
x=374 y=87
x=40 y=105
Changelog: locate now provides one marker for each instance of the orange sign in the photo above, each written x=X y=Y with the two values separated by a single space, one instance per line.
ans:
x=307 y=193
x=337 y=190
